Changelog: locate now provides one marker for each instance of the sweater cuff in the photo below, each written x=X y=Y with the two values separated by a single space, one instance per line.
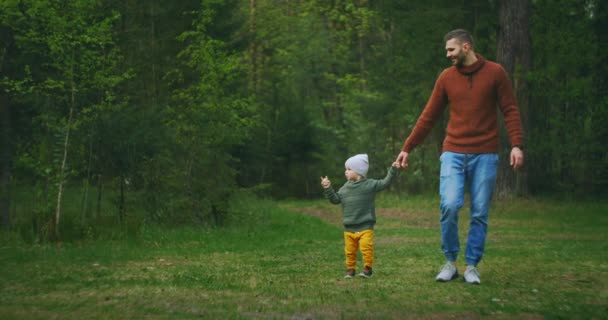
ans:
x=394 y=170
x=407 y=147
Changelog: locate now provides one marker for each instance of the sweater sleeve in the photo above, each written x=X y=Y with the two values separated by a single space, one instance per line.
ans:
x=332 y=196
x=380 y=185
x=431 y=113
x=509 y=109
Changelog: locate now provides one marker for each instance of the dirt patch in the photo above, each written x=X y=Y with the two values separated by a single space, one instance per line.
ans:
x=425 y=220
x=419 y=219
x=332 y=216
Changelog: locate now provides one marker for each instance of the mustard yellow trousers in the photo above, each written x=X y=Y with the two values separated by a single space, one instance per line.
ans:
x=362 y=240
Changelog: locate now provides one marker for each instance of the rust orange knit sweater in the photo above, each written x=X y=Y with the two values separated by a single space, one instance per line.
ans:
x=474 y=94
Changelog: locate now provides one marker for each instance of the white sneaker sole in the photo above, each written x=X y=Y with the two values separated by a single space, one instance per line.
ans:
x=447 y=280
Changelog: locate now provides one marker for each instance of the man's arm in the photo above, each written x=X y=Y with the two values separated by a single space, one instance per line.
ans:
x=432 y=112
x=511 y=115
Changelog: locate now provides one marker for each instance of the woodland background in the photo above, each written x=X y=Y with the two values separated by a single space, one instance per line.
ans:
x=166 y=109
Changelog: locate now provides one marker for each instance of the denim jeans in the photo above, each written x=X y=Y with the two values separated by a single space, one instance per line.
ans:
x=477 y=172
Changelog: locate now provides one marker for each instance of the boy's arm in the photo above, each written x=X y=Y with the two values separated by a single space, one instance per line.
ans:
x=390 y=176
x=329 y=192
x=332 y=195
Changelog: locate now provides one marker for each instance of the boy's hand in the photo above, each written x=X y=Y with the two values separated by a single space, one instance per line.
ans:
x=396 y=165
x=325 y=183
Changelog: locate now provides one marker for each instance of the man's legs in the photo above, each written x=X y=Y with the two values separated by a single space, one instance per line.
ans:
x=481 y=173
x=451 y=191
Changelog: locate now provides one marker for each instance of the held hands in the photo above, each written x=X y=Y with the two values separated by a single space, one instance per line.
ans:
x=516 y=158
x=402 y=160
x=325 y=183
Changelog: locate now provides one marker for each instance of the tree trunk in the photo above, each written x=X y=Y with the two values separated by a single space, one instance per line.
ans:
x=5 y=160
x=360 y=36
x=99 y=192
x=65 y=151
x=84 y=207
x=121 y=204
x=253 y=49
x=6 y=151
x=62 y=172
x=154 y=44
x=514 y=53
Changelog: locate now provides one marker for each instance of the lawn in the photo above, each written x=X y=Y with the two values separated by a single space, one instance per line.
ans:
x=545 y=259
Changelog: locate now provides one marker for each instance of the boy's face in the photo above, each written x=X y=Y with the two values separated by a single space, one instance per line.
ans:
x=351 y=175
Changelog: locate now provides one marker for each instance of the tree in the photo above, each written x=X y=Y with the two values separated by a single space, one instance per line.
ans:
x=209 y=116
x=6 y=47
x=514 y=54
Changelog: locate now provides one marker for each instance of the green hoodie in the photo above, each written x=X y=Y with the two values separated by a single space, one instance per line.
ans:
x=358 y=198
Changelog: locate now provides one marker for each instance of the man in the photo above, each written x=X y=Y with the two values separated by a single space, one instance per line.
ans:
x=474 y=89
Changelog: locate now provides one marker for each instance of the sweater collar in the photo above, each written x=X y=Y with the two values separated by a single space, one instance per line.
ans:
x=471 y=69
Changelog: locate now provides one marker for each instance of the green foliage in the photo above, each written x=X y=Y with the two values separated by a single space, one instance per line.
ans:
x=561 y=120
x=179 y=105
x=207 y=119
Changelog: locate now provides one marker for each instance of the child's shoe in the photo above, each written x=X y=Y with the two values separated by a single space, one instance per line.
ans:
x=367 y=272
x=350 y=273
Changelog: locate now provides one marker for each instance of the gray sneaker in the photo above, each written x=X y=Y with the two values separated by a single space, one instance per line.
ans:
x=471 y=275
x=448 y=272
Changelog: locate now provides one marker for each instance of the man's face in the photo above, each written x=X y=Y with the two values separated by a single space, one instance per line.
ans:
x=456 y=51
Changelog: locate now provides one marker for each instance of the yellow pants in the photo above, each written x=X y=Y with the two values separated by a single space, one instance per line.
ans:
x=363 y=240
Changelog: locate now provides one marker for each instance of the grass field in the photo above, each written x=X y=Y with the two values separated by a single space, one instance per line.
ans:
x=544 y=260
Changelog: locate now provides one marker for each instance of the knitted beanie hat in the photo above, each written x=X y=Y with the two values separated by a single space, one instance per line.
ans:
x=358 y=163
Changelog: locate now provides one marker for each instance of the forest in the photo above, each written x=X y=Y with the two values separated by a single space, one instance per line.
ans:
x=162 y=111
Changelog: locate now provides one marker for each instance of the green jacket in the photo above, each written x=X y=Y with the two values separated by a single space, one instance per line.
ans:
x=358 y=200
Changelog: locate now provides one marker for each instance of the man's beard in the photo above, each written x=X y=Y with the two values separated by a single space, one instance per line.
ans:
x=459 y=60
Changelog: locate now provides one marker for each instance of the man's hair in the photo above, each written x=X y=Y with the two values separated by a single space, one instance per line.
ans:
x=461 y=35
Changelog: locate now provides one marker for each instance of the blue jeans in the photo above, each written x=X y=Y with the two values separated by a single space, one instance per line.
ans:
x=477 y=172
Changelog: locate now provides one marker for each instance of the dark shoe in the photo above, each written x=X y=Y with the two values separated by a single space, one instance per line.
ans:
x=367 y=272
x=350 y=273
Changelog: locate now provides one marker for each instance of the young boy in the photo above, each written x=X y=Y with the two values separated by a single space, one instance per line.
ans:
x=357 y=197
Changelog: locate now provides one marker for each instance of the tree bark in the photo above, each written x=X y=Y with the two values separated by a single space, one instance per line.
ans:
x=361 y=38
x=6 y=151
x=253 y=49
x=514 y=53
x=99 y=192
x=66 y=143
x=5 y=160
x=62 y=173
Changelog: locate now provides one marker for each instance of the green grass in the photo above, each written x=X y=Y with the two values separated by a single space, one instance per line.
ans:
x=544 y=259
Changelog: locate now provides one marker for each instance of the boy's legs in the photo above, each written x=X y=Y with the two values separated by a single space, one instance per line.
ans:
x=366 y=238
x=351 y=244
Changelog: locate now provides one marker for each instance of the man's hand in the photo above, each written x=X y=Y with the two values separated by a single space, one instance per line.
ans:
x=402 y=159
x=517 y=158
x=325 y=183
